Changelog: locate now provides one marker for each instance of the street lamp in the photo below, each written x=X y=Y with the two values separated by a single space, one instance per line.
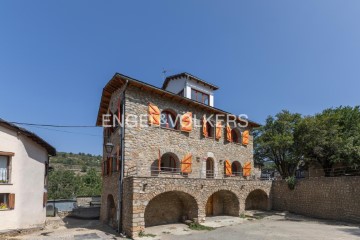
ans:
x=109 y=147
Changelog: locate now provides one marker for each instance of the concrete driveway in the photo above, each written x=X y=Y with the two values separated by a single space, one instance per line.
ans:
x=261 y=226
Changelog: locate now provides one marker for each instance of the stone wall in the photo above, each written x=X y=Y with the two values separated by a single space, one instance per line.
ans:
x=335 y=198
x=151 y=200
x=142 y=144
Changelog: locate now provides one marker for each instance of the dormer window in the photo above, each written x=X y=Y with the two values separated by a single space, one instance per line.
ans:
x=200 y=96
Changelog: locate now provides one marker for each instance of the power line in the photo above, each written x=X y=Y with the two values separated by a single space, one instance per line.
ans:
x=55 y=126
x=64 y=131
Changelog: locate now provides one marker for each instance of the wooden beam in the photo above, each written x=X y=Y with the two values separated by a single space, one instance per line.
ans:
x=9 y=154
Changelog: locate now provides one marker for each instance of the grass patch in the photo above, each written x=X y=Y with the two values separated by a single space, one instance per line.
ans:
x=143 y=234
x=242 y=215
x=199 y=227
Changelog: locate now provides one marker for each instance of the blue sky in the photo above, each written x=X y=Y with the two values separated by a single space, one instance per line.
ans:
x=56 y=56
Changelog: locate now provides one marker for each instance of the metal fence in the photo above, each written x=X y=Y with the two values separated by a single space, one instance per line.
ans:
x=176 y=172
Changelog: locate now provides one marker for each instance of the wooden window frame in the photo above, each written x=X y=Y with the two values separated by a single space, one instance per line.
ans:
x=203 y=95
x=9 y=156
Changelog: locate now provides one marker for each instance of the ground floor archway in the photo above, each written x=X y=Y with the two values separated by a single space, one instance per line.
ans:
x=257 y=200
x=111 y=211
x=170 y=207
x=223 y=202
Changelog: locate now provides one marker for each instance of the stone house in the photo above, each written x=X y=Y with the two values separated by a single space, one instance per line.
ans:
x=24 y=159
x=173 y=156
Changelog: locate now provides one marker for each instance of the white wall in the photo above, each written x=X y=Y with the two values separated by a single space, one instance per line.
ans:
x=27 y=181
x=176 y=85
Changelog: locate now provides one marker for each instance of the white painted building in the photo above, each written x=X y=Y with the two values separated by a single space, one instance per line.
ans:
x=24 y=161
x=187 y=85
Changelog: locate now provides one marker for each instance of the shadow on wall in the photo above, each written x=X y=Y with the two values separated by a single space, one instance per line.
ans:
x=223 y=202
x=170 y=207
x=257 y=200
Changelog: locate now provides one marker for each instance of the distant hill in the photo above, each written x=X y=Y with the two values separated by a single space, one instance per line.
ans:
x=77 y=162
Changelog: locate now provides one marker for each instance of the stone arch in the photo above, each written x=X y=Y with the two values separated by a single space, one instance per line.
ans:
x=222 y=202
x=257 y=199
x=170 y=162
x=111 y=211
x=170 y=207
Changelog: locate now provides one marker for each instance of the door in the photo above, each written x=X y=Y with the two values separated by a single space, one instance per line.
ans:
x=209 y=206
x=209 y=168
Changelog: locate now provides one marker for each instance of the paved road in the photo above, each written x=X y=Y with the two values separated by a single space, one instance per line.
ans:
x=278 y=228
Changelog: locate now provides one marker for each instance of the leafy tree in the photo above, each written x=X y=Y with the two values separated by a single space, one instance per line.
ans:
x=330 y=137
x=275 y=142
x=63 y=184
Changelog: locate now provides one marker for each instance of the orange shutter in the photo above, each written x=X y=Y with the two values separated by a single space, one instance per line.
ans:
x=205 y=133
x=228 y=133
x=45 y=197
x=247 y=169
x=186 y=163
x=11 y=201
x=117 y=157
x=245 y=137
x=218 y=130
x=228 y=170
x=186 y=122
x=154 y=114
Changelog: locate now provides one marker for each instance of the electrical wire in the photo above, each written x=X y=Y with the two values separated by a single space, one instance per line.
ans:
x=55 y=126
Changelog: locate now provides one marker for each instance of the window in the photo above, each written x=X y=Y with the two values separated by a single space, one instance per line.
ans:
x=114 y=165
x=199 y=96
x=7 y=201
x=209 y=129
x=234 y=136
x=4 y=169
x=168 y=120
x=168 y=163
x=236 y=168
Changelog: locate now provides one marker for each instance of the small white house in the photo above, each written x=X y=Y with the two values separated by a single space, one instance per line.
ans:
x=24 y=159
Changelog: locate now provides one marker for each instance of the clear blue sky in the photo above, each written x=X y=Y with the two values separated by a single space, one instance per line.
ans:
x=56 y=56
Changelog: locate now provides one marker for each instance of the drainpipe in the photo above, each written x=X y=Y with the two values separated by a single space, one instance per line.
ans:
x=122 y=145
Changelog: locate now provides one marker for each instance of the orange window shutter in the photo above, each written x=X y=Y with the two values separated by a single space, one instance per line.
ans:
x=186 y=122
x=228 y=133
x=245 y=137
x=228 y=170
x=117 y=157
x=218 y=130
x=186 y=163
x=205 y=133
x=154 y=114
x=11 y=201
x=247 y=169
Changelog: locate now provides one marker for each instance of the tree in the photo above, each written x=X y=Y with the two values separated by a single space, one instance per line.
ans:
x=63 y=184
x=275 y=142
x=330 y=137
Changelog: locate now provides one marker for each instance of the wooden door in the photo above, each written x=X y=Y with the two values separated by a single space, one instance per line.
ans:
x=210 y=206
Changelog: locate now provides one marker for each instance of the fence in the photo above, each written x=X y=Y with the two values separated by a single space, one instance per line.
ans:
x=176 y=172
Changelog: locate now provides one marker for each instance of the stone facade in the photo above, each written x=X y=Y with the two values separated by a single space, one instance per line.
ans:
x=186 y=196
x=152 y=200
x=324 y=197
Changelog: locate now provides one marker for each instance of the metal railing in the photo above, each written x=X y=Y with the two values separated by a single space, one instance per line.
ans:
x=176 y=172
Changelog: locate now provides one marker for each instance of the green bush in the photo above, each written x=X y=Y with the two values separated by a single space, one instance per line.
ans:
x=291 y=181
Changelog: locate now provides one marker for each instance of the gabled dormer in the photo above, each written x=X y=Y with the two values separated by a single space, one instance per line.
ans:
x=187 y=85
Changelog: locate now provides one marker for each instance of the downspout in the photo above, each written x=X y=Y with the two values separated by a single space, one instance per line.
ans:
x=122 y=145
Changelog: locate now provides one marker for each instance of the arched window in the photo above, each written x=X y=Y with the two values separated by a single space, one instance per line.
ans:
x=236 y=168
x=169 y=163
x=209 y=168
x=168 y=120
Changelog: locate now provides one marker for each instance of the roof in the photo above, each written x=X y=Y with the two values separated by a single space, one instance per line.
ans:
x=188 y=75
x=118 y=80
x=50 y=149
